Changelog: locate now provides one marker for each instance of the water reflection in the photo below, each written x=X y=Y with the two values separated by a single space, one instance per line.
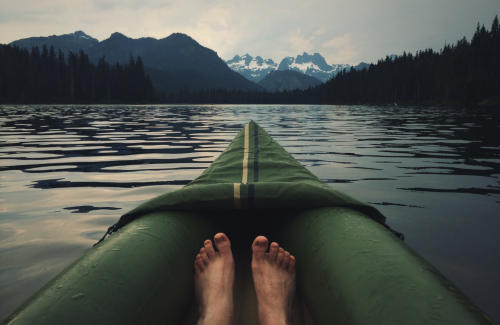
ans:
x=68 y=172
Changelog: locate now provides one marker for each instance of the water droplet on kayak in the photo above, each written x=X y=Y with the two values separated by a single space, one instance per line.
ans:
x=115 y=249
x=143 y=228
x=78 y=296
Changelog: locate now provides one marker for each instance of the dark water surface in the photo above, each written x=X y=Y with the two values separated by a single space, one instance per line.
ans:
x=68 y=172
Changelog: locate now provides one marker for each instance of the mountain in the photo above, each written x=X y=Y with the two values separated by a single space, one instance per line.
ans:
x=254 y=69
x=312 y=65
x=362 y=66
x=257 y=68
x=67 y=43
x=174 y=63
x=280 y=80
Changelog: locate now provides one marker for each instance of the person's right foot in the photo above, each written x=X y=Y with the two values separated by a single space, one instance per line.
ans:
x=274 y=280
x=214 y=280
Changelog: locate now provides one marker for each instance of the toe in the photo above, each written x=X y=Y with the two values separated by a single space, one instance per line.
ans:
x=291 y=265
x=259 y=247
x=281 y=256
x=198 y=264
x=204 y=256
x=209 y=248
x=273 y=251
x=223 y=244
x=286 y=260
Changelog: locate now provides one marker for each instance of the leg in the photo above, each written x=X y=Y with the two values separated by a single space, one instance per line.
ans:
x=274 y=279
x=214 y=281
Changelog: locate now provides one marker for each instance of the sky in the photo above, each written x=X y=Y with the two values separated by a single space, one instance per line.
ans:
x=343 y=31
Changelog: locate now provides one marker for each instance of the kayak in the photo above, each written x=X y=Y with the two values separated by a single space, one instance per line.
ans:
x=351 y=267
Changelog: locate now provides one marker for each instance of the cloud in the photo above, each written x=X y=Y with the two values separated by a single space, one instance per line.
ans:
x=342 y=31
x=299 y=42
x=217 y=29
x=319 y=32
x=340 y=49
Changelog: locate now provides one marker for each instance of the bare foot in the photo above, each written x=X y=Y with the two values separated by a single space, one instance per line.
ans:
x=274 y=281
x=214 y=281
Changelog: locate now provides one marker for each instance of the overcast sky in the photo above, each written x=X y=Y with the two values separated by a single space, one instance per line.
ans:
x=344 y=31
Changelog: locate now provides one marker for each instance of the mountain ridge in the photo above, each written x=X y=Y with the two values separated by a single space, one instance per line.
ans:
x=72 y=42
x=175 y=57
x=313 y=65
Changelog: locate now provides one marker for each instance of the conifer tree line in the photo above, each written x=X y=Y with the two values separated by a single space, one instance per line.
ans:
x=42 y=76
x=465 y=73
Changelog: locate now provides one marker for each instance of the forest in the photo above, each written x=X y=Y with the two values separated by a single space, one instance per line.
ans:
x=464 y=73
x=46 y=77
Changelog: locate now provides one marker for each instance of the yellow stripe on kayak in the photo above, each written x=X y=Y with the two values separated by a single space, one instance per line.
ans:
x=244 y=177
x=237 y=203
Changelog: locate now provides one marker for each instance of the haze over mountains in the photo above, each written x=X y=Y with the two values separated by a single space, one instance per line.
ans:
x=178 y=62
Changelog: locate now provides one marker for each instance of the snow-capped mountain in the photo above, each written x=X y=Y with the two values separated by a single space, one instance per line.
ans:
x=254 y=69
x=312 y=65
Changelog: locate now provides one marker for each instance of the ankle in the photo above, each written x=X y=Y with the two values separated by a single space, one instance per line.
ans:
x=269 y=316
x=216 y=316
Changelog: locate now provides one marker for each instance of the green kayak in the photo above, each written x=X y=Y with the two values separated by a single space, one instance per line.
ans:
x=351 y=267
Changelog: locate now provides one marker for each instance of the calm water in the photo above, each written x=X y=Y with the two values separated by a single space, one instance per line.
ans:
x=68 y=172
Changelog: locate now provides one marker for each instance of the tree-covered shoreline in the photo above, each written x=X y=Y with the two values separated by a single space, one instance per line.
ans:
x=42 y=76
x=466 y=73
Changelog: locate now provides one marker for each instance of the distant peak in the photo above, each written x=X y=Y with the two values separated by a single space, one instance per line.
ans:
x=117 y=35
x=81 y=34
x=179 y=36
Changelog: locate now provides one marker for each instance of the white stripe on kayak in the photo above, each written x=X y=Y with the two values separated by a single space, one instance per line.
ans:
x=244 y=177
x=237 y=203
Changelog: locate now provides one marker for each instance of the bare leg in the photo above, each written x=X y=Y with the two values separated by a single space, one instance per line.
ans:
x=214 y=281
x=274 y=280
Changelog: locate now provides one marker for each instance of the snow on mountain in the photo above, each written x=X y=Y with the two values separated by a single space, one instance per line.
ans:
x=312 y=65
x=315 y=65
x=81 y=34
x=254 y=69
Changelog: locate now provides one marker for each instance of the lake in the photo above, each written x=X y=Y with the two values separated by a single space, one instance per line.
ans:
x=67 y=172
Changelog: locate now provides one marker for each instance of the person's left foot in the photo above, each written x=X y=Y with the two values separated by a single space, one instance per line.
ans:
x=274 y=280
x=214 y=281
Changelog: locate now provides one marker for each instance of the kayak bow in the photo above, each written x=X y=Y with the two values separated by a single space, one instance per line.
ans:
x=351 y=267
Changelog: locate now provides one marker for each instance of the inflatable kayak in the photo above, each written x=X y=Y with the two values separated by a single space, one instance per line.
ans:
x=351 y=267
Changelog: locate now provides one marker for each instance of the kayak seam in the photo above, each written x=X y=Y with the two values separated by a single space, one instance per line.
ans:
x=255 y=156
x=237 y=202
x=246 y=149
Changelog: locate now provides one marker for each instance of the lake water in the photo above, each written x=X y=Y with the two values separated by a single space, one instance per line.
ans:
x=68 y=172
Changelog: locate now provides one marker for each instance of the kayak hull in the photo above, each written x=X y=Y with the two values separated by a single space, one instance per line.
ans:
x=350 y=269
